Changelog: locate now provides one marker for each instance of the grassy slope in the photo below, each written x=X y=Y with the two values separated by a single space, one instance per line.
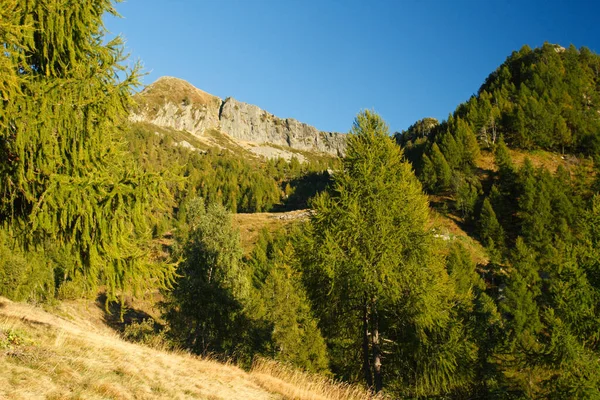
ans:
x=539 y=158
x=68 y=352
x=77 y=357
x=250 y=225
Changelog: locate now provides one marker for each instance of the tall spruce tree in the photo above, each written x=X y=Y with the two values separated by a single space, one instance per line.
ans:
x=64 y=175
x=428 y=174
x=376 y=282
x=490 y=230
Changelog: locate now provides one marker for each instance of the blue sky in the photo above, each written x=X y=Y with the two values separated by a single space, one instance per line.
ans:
x=322 y=61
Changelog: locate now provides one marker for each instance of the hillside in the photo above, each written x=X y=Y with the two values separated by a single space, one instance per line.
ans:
x=173 y=103
x=69 y=353
x=458 y=259
x=49 y=356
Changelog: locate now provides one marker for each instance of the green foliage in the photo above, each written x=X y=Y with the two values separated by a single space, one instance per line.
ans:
x=11 y=338
x=146 y=332
x=64 y=175
x=466 y=189
x=441 y=167
x=238 y=309
x=418 y=130
x=239 y=184
x=556 y=98
x=206 y=307
x=428 y=175
x=295 y=336
x=374 y=277
x=24 y=276
x=490 y=230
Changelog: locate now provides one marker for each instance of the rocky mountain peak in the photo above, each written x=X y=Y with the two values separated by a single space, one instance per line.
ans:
x=174 y=103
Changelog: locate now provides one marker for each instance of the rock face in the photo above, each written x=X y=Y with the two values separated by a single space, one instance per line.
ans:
x=173 y=103
x=248 y=122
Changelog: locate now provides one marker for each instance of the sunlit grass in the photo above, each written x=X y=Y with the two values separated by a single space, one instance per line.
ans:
x=294 y=384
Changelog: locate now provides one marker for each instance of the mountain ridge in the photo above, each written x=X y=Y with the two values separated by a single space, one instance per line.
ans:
x=174 y=103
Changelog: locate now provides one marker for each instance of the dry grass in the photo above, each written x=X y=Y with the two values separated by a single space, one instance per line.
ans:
x=447 y=228
x=177 y=91
x=53 y=357
x=71 y=354
x=250 y=225
x=298 y=385
x=539 y=158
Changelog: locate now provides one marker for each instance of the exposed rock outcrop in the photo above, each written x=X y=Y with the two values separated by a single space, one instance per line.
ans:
x=174 y=103
x=249 y=122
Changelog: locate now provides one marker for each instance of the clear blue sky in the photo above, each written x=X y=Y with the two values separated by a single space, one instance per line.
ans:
x=322 y=61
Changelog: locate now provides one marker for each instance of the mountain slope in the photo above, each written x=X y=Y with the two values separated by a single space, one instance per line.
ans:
x=47 y=356
x=70 y=353
x=173 y=103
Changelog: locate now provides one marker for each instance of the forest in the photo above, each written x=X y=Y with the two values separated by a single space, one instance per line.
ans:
x=365 y=290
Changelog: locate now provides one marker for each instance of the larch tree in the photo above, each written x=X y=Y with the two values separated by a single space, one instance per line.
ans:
x=65 y=176
x=295 y=336
x=206 y=308
x=378 y=287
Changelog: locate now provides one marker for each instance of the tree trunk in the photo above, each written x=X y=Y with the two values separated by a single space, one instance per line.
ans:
x=377 y=355
x=365 y=345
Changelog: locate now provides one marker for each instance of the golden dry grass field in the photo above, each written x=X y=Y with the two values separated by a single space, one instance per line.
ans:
x=68 y=352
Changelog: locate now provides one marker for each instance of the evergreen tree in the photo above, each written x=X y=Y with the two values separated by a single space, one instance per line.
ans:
x=442 y=170
x=503 y=161
x=490 y=230
x=467 y=142
x=524 y=323
x=295 y=335
x=428 y=174
x=467 y=192
x=450 y=149
x=207 y=308
x=63 y=172
x=376 y=282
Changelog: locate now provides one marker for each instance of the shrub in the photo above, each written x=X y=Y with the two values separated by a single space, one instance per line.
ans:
x=146 y=332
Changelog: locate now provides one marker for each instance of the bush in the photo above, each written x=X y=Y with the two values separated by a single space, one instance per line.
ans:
x=146 y=332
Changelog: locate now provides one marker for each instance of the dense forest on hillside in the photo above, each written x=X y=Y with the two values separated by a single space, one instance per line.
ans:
x=365 y=290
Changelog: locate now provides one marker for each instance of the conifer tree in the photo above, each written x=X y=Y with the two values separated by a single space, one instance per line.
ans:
x=503 y=161
x=207 y=307
x=295 y=335
x=428 y=174
x=450 y=149
x=525 y=322
x=442 y=170
x=376 y=282
x=64 y=175
x=467 y=192
x=490 y=230
x=467 y=142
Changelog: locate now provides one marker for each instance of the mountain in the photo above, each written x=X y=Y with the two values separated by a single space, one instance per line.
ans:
x=174 y=103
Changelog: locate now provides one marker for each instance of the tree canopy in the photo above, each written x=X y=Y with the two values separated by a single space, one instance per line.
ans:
x=64 y=174
x=375 y=279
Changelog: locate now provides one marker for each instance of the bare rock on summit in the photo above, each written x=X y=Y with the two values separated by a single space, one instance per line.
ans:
x=175 y=103
x=250 y=123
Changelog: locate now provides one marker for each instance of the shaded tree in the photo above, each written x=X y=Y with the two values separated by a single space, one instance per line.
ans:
x=207 y=308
